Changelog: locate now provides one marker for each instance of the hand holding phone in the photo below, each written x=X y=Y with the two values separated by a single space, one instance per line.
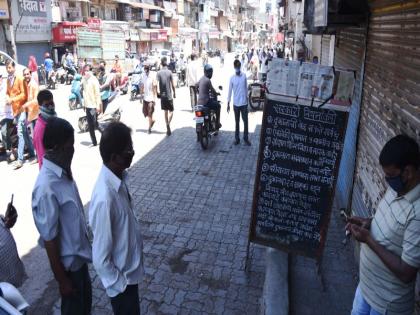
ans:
x=11 y=215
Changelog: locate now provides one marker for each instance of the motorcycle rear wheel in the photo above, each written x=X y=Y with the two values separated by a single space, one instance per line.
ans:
x=73 y=104
x=254 y=102
x=204 y=138
x=132 y=95
x=83 y=124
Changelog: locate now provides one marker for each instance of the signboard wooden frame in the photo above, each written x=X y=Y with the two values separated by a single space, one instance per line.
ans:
x=324 y=222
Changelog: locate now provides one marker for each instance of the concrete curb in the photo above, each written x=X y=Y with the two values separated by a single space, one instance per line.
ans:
x=276 y=284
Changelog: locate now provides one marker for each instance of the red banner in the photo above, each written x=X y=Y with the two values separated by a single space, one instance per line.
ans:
x=66 y=32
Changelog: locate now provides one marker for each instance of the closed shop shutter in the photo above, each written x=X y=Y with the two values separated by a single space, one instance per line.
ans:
x=349 y=54
x=391 y=97
x=24 y=50
x=325 y=50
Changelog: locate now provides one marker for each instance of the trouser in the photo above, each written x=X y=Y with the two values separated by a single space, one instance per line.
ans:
x=193 y=96
x=215 y=105
x=241 y=111
x=79 y=303
x=23 y=137
x=361 y=306
x=105 y=103
x=6 y=128
x=127 y=303
x=92 y=120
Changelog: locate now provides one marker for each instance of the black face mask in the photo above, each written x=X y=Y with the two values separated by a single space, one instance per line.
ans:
x=396 y=183
x=62 y=157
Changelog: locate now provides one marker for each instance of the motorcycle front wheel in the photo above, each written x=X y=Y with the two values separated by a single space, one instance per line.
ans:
x=204 y=138
x=83 y=124
x=132 y=95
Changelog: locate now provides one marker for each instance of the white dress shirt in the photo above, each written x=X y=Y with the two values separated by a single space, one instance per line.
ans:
x=239 y=86
x=117 y=242
x=194 y=72
x=149 y=82
x=58 y=211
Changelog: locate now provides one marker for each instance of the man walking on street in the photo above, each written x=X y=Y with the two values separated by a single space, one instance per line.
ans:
x=194 y=71
x=390 y=241
x=149 y=89
x=58 y=214
x=17 y=96
x=47 y=110
x=117 y=243
x=238 y=85
x=31 y=105
x=6 y=119
x=166 y=87
x=91 y=101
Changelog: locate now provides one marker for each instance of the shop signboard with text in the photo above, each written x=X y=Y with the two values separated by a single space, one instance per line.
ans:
x=34 y=18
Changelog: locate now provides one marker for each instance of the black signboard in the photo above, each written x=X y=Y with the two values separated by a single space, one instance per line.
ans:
x=299 y=155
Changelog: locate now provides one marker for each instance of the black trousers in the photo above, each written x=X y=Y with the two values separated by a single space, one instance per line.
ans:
x=193 y=96
x=81 y=302
x=127 y=303
x=92 y=120
x=241 y=111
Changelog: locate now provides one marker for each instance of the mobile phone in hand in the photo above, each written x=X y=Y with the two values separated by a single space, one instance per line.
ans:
x=11 y=211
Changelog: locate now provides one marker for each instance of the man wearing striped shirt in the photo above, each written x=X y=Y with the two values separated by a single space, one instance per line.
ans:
x=390 y=241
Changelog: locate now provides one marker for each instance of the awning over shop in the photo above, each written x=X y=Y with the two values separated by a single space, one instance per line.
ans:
x=134 y=35
x=65 y=32
x=147 y=34
x=188 y=30
x=228 y=34
x=145 y=6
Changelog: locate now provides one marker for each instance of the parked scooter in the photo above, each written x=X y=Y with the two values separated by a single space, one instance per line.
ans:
x=11 y=301
x=205 y=124
x=112 y=114
x=256 y=95
x=75 y=98
x=61 y=75
x=52 y=80
x=135 y=83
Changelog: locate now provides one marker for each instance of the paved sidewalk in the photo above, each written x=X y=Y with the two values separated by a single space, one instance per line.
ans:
x=340 y=275
x=195 y=209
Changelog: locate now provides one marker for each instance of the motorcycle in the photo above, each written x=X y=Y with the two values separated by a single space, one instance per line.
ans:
x=124 y=83
x=76 y=89
x=70 y=73
x=61 y=75
x=112 y=114
x=181 y=76
x=256 y=95
x=135 y=84
x=205 y=124
x=52 y=80
x=11 y=301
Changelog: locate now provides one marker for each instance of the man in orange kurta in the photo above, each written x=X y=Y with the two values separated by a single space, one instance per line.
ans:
x=17 y=96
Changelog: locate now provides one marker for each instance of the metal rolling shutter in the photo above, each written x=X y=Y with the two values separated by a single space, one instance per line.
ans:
x=38 y=49
x=325 y=50
x=349 y=54
x=391 y=98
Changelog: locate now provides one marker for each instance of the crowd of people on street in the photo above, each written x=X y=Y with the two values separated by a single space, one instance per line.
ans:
x=390 y=242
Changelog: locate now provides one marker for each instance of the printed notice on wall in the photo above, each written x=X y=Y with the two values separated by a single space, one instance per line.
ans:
x=299 y=155
x=306 y=80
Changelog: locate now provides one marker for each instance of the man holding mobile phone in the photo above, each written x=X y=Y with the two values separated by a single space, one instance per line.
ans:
x=12 y=269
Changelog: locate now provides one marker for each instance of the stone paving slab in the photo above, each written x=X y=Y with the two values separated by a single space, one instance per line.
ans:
x=339 y=272
x=195 y=207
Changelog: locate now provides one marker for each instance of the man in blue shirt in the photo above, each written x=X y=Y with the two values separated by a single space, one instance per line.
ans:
x=48 y=64
x=239 y=87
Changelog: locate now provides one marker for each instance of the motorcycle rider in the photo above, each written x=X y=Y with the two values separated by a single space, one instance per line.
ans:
x=76 y=88
x=207 y=95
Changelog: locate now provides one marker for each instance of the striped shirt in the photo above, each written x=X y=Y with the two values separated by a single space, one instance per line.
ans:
x=395 y=226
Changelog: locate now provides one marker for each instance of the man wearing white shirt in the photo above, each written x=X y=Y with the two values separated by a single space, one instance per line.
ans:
x=194 y=71
x=117 y=242
x=239 y=87
x=149 y=89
